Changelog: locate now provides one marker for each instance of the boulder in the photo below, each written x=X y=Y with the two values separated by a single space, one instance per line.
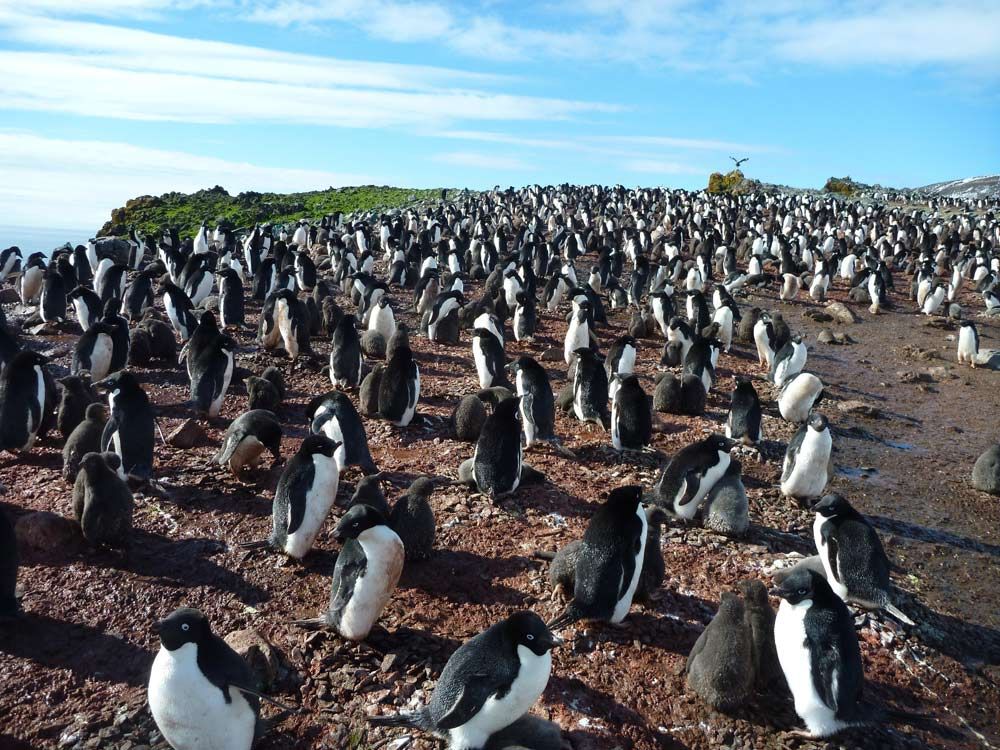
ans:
x=841 y=313
x=262 y=657
x=986 y=472
x=46 y=533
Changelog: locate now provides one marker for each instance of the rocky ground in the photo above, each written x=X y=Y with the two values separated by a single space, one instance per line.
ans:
x=908 y=426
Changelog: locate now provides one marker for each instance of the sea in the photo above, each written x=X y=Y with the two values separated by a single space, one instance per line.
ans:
x=41 y=239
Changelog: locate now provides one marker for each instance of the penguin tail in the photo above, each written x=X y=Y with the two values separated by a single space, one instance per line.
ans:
x=893 y=610
x=250 y=546
x=570 y=615
x=543 y=555
x=313 y=623
x=413 y=721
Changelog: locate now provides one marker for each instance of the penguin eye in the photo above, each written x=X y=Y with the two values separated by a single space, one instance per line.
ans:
x=185 y=627
x=531 y=637
x=803 y=592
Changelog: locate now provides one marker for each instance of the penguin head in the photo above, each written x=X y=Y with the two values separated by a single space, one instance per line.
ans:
x=818 y=422
x=529 y=630
x=831 y=505
x=319 y=444
x=96 y=412
x=719 y=442
x=358 y=519
x=626 y=499
x=800 y=585
x=93 y=462
x=27 y=358
x=116 y=381
x=422 y=486
x=183 y=626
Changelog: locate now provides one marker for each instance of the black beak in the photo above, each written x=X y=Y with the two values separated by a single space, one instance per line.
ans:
x=157 y=627
x=554 y=641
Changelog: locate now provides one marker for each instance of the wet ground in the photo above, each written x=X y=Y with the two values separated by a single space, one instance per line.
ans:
x=74 y=668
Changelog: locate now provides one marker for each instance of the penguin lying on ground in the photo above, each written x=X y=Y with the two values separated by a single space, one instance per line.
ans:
x=487 y=683
x=854 y=560
x=246 y=438
x=368 y=568
x=102 y=501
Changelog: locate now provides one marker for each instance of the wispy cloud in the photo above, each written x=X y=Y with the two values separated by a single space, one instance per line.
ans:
x=482 y=161
x=60 y=182
x=653 y=166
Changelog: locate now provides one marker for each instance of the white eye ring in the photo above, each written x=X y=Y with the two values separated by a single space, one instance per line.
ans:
x=531 y=637
x=185 y=626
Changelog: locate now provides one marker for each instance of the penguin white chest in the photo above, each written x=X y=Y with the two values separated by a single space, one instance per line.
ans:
x=116 y=436
x=625 y=603
x=319 y=500
x=190 y=711
x=577 y=337
x=808 y=476
x=824 y=555
x=216 y=406
x=527 y=420
x=482 y=368
x=500 y=713
x=796 y=662
x=411 y=403
x=384 y=554
x=712 y=475
x=331 y=428
x=100 y=357
x=967 y=348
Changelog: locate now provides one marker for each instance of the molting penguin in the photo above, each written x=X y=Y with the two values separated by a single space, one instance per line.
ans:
x=726 y=508
x=691 y=474
x=487 y=684
x=399 y=388
x=368 y=491
x=759 y=619
x=855 y=562
x=102 y=502
x=305 y=493
x=367 y=570
x=798 y=396
x=412 y=518
x=631 y=417
x=819 y=655
x=807 y=467
x=333 y=414
x=201 y=692
x=85 y=438
x=744 y=420
x=720 y=666
x=590 y=389
x=246 y=438
x=261 y=394
x=538 y=407
x=129 y=430
x=23 y=396
x=610 y=561
x=345 y=356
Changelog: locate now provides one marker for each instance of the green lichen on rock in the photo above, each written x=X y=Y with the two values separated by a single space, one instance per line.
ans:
x=186 y=211
x=734 y=182
x=844 y=186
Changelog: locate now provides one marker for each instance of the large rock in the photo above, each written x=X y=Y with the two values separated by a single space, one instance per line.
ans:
x=44 y=533
x=264 y=659
x=841 y=313
x=986 y=472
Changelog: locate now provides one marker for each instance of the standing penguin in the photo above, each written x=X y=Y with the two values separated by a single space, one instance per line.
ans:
x=621 y=358
x=690 y=474
x=129 y=430
x=720 y=666
x=412 y=518
x=399 y=388
x=333 y=414
x=367 y=570
x=488 y=354
x=525 y=317
x=93 y=350
x=497 y=463
x=538 y=407
x=854 y=559
x=578 y=333
x=23 y=396
x=179 y=309
x=52 y=307
x=9 y=563
x=86 y=305
x=345 y=356
x=590 y=389
x=818 y=651
x=231 y=299
x=968 y=343
x=305 y=493
x=202 y=694
x=759 y=618
x=631 y=417
x=102 y=502
x=85 y=438
x=77 y=395
x=489 y=682
x=610 y=562
x=382 y=320
x=211 y=372
x=788 y=361
x=807 y=467
x=744 y=420
x=726 y=508
x=246 y=438
x=798 y=396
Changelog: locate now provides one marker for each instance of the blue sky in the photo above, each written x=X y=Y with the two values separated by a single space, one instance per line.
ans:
x=101 y=100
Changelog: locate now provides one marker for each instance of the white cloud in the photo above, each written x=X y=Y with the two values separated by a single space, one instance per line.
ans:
x=57 y=182
x=654 y=166
x=482 y=161
x=384 y=19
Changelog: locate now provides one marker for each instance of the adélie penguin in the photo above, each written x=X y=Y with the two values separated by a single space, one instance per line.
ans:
x=129 y=430
x=211 y=372
x=202 y=694
x=488 y=354
x=86 y=305
x=85 y=438
x=23 y=396
x=92 y=351
x=399 y=388
x=102 y=501
x=305 y=493
x=367 y=570
x=334 y=415
x=345 y=356
x=412 y=518
x=530 y=732
x=538 y=406
x=744 y=420
x=690 y=475
x=497 y=464
x=720 y=665
x=788 y=361
x=798 y=396
x=853 y=557
x=631 y=415
x=807 y=467
x=610 y=560
x=488 y=684
x=246 y=439
x=590 y=389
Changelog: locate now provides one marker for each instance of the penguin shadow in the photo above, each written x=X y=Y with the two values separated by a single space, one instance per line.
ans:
x=462 y=577
x=968 y=643
x=10 y=742
x=179 y=563
x=932 y=536
x=84 y=650
x=774 y=540
x=407 y=640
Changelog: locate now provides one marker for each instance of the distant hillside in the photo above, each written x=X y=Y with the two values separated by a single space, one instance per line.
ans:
x=969 y=188
x=186 y=211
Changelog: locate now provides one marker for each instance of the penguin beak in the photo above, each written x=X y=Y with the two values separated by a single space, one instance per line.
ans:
x=158 y=627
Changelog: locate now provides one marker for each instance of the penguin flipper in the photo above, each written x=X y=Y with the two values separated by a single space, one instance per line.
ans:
x=225 y=668
x=692 y=481
x=832 y=548
x=110 y=428
x=477 y=689
x=298 y=497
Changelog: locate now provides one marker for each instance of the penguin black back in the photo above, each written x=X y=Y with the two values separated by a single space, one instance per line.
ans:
x=498 y=456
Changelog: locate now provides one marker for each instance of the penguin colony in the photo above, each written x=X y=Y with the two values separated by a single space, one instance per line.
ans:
x=480 y=274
